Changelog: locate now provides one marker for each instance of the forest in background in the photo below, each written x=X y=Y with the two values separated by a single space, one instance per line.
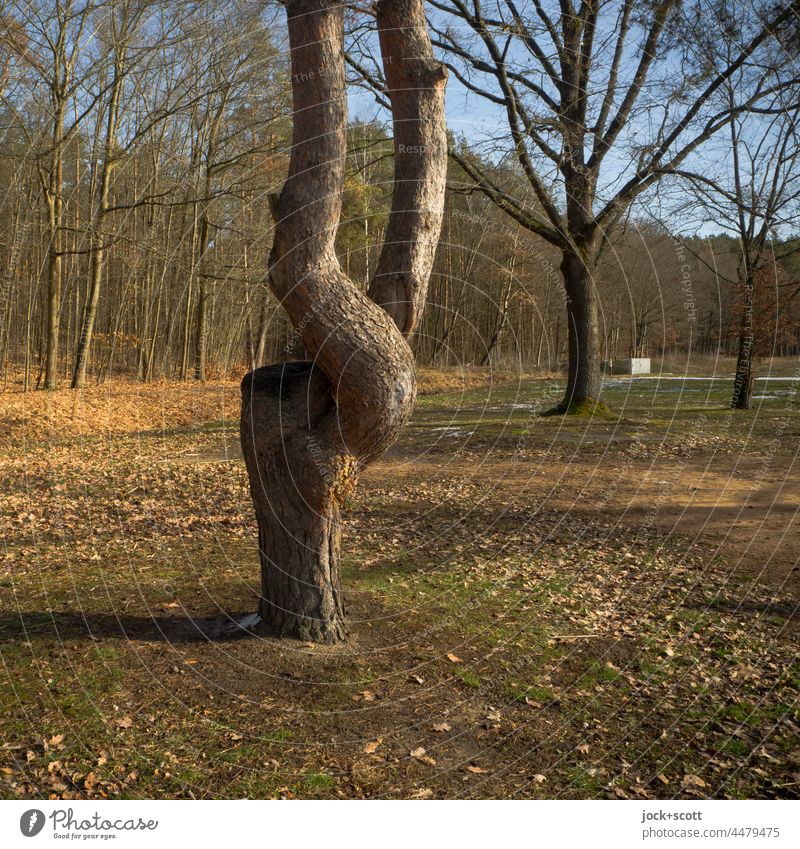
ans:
x=139 y=143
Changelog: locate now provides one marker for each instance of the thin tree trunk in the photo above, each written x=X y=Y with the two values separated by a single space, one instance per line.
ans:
x=54 y=270
x=543 y=330
x=742 y=398
x=187 y=316
x=201 y=327
x=261 y=347
x=502 y=318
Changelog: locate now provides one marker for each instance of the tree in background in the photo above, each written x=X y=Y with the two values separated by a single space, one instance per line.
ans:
x=115 y=35
x=596 y=115
x=167 y=278
x=56 y=34
x=756 y=195
x=141 y=86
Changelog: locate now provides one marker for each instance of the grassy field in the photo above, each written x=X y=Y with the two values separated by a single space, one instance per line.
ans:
x=539 y=607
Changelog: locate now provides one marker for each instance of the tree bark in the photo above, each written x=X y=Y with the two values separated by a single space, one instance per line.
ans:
x=54 y=273
x=583 y=336
x=308 y=428
x=201 y=328
x=742 y=397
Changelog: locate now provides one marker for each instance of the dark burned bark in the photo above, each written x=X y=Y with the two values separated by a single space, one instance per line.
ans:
x=307 y=428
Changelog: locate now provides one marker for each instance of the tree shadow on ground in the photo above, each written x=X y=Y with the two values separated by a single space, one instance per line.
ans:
x=19 y=626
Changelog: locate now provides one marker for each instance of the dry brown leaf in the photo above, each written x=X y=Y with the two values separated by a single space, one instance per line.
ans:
x=477 y=770
x=422 y=793
x=124 y=722
x=442 y=726
x=370 y=747
x=453 y=658
x=421 y=755
x=539 y=778
x=56 y=741
x=364 y=695
x=694 y=780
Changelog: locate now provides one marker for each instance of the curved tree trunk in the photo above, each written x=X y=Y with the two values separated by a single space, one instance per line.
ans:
x=308 y=428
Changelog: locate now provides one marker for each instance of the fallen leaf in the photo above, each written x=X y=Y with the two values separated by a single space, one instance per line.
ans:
x=420 y=754
x=693 y=779
x=477 y=770
x=365 y=695
x=124 y=722
x=453 y=658
x=539 y=778
x=422 y=793
x=370 y=747
x=584 y=748
x=442 y=726
x=56 y=741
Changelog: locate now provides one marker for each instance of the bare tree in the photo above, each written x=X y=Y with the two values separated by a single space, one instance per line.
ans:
x=124 y=17
x=58 y=33
x=758 y=199
x=307 y=428
x=596 y=116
